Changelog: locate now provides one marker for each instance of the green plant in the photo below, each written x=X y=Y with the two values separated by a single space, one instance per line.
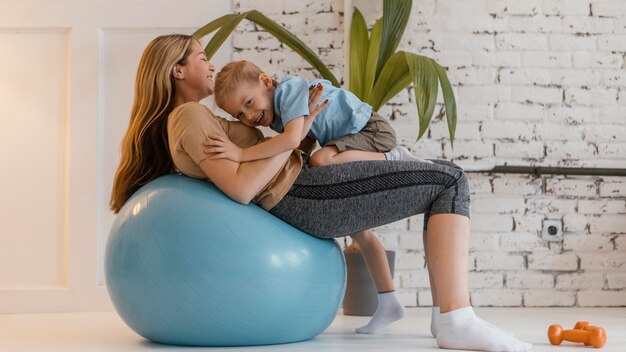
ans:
x=377 y=71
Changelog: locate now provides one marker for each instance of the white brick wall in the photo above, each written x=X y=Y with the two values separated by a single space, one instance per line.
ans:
x=538 y=82
x=548 y=298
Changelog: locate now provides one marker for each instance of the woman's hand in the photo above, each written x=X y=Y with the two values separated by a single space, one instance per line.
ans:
x=219 y=147
x=307 y=145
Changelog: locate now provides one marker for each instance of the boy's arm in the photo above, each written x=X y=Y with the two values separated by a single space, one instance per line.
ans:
x=308 y=122
x=307 y=143
x=288 y=140
x=315 y=94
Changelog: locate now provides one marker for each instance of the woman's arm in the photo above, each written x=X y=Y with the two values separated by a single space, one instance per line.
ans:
x=242 y=181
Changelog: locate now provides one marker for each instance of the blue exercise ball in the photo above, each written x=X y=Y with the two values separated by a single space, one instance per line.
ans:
x=186 y=265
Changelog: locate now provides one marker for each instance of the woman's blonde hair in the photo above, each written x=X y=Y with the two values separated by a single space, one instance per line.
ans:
x=145 y=152
x=234 y=75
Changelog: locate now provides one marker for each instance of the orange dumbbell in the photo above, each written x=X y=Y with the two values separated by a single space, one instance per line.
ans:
x=580 y=325
x=582 y=332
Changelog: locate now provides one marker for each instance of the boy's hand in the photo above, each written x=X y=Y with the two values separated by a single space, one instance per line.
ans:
x=219 y=147
x=315 y=94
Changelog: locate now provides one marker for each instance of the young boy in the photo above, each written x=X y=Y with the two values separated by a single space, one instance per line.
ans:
x=347 y=129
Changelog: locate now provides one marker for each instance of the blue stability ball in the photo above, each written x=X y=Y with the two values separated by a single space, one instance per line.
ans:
x=186 y=265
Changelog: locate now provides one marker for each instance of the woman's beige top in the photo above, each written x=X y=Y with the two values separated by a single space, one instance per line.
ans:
x=190 y=124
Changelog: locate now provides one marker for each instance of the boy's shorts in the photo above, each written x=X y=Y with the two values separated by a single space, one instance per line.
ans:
x=376 y=136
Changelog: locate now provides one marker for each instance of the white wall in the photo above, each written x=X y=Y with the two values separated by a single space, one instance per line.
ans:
x=539 y=82
x=68 y=69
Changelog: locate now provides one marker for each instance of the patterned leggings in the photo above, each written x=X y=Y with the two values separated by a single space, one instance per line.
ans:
x=338 y=200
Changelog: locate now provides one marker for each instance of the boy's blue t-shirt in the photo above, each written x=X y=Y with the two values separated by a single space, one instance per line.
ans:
x=344 y=115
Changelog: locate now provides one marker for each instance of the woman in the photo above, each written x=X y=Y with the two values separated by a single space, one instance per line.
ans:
x=168 y=128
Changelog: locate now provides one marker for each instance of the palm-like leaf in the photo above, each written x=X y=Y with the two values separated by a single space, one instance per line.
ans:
x=394 y=77
x=359 y=45
x=212 y=26
x=371 y=61
x=395 y=17
x=387 y=72
x=425 y=85
x=228 y=23
x=448 y=99
x=222 y=34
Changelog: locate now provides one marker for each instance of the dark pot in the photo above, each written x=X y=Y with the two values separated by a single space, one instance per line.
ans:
x=361 y=294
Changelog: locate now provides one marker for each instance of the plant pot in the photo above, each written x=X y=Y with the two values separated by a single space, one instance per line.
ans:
x=361 y=295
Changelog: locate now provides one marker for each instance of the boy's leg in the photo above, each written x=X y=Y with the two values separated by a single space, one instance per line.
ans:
x=389 y=307
x=400 y=153
x=330 y=155
x=376 y=259
x=375 y=141
x=375 y=138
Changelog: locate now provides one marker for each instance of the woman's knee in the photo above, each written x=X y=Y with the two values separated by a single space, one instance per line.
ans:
x=460 y=179
x=446 y=163
x=455 y=196
x=463 y=182
x=462 y=195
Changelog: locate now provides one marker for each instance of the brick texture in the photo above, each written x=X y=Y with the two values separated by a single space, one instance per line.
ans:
x=537 y=82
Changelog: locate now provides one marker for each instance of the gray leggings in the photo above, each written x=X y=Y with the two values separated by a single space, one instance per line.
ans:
x=338 y=200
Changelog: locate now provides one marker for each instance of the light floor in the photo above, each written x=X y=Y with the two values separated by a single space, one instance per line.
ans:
x=105 y=331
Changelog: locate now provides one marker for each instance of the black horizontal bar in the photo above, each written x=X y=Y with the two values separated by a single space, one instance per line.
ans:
x=547 y=170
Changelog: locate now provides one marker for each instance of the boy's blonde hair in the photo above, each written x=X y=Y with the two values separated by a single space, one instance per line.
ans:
x=234 y=75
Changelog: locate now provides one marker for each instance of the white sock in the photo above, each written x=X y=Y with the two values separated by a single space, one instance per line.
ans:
x=389 y=310
x=400 y=153
x=461 y=329
x=434 y=319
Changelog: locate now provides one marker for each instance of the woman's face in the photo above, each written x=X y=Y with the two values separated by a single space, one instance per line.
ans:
x=199 y=72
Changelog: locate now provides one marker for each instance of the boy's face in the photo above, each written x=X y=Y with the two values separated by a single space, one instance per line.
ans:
x=253 y=105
